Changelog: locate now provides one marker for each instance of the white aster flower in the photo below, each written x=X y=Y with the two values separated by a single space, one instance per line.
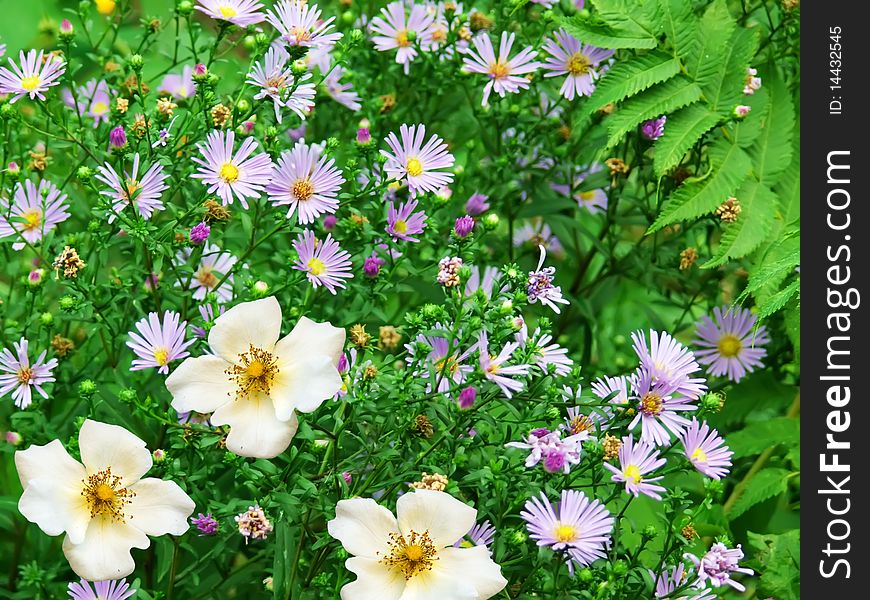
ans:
x=255 y=382
x=104 y=506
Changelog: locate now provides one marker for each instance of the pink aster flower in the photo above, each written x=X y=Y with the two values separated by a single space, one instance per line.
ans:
x=668 y=363
x=416 y=163
x=343 y=93
x=578 y=528
x=481 y=281
x=307 y=182
x=92 y=100
x=403 y=223
x=325 y=262
x=238 y=175
x=274 y=77
x=205 y=524
x=706 y=450
x=33 y=77
x=157 y=343
x=545 y=352
x=658 y=409
x=477 y=204
x=32 y=214
x=667 y=582
x=144 y=194
x=718 y=565
x=505 y=74
x=300 y=25
x=444 y=363
x=578 y=62
x=117 y=589
x=19 y=375
x=495 y=369
x=540 y=286
x=213 y=267
x=179 y=86
x=400 y=31
x=237 y=12
x=635 y=461
x=548 y=446
x=730 y=342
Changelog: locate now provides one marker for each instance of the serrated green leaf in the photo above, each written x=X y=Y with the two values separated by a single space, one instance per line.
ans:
x=779 y=299
x=772 y=151
x=605 y=36
x=780 y=557
x=679 y=24
x=656 y=101
x=631 y=76
x=729 y=165
x=723 y=89
x=766 y=484
x=748 y=130
x=641 y=15
x=758 y=212
x=793 y=329
x=712 y=35
x=682 y=130
x=778 y=262
x=758 y=436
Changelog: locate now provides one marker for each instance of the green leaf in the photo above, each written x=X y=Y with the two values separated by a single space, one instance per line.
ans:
x=747 y=130
x=758 y=436
x=654 y=102
x=680 y=24
x=772 y=151
x=682 y=130
x=756 y=218
x=793 y=329
x=285 y=540
x=631 y=76
x=779 y=299
x=780 y=557
x=766 y=484
x=728 y=166
x=712 y=35
x=778 y=262
x=723 y=89
x=605 y=36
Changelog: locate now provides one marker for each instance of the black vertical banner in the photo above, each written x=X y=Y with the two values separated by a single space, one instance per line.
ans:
x=835 y=494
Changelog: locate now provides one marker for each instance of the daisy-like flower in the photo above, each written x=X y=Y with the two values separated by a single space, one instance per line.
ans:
x=578 y=528
x=33 y=77
x=706 y=450
x=307 y=182
x=105 y=506
x=481 y=281
x=605 y=386
x=495 y=369
x=558 y=454
x=595 y=201
x=35 y=212
x=144 y=194
x=238 y=175
x=94 y=101
x=730 y=343
x=545 y=353
x=540 y=286
x=274 y=77
x=399 y=31
x=213 y=267
x=416 y=163
x=444 y=363
x=343 y=93
x=324 y=261
x=658 y=409
x=255 y=382
x=237 y=12
x=158 y=343
x=578 y=62
x=403 y=223
x=179 y=86
x=299 y=25
x=505 y=74
x=18 y=375
x=102 y=590
x=667 y=582
x=668 y=363
x=538 y=233
x=717 y=565
x=412 y=555
x=635 y=461
x=482 y=534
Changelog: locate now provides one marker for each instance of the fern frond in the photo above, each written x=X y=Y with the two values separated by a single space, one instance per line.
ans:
x=758 y=204
x=683 y=129
x=658 y=100
x=772 y=151
x=627 y=78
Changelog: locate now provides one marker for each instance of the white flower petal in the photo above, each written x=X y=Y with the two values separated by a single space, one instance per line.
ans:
x=256 y=324
x=200 y=384
x=160 y=507
x=443 y=516
x=255 y=431
x=310 y=337
x=304 y=384
x=48 y=461
x=373 y=581
x=103 y=446
x=474 y=566
x=105 y=552
x=363 y=527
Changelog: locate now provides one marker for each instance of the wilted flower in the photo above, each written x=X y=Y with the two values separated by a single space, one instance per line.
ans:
x=254 y=524
x=540 y=286
x=717 y=565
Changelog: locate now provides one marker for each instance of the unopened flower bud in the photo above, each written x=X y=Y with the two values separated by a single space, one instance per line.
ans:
x=490 y=221
x=136 y=62
x=299 y=68
x=87 y=388
x=184 y=8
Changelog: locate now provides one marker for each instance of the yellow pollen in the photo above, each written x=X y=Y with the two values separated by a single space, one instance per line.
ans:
x=578 y=64
x=25 y=374
x=414 y=167
x=105 y=495
x=161 y=356
x=104 y=492
x=565 y=533
x=651 y=405
x=632 y=473
x=228 y=12
x=447 y=365
x=587 y=195
x=581 y=423
x=254 y=373
x=316 y=266
x=499 y=70
x=302 y=189
x=32 y=219
x=729 y=346
x=493 y=366
x=699 y=455
x=255 y=369
x=99 y=108
x=30 y=83
x=402 y=38
x=301 y=35
x=400 y=226
x=206 y=277
x=412 y=555
x=131 y=187
x=229 y=172
x=439 y=34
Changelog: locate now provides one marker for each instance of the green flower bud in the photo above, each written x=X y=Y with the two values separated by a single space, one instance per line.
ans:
x=356 y=36
x=351 y=163
x=249 y=42
x=127 y=395
x=521 y=297
x=87 y=388
x=620 y=568
x=243 y=106
x=332 y=143
x=261 y=39
x=159 y=455
x=490 y=221
x=506 y=307
x=84 y=174
x=347 y=17
x=649 y=532
x=184 y=8
x=136 y=62
x=299 y=68
x=518 y=536
x=585 y=575
x=46 y=318
x=412 y=36
x=260 y=289
x=7 y=111
x=271 y=131
x=712 y=402
x=68 y=303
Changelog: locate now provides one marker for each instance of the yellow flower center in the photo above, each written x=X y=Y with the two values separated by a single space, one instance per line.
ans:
x=206 y=277
x=301 y=35
x=411 y=556
x=228 y=12
x=402 y=38
x=400 y=226
x=25 y=374
x=132 y=187
x=30 y=83
x=316 y=266
x=632 y=473
x=587 y=196
x=729 y=346
x=229 y=172
x=254 y=373
x=499 y=70
x=580 y=423
x=161 y=356
x=302 y=189
x=32 y=218
x=99 y=108
x=414 y=167
x=105 y=7
x=105 y=495
x=439 y=34
x=699 y=455
x=651 y=405
x=447 y=365
x=565 y=533
x=578 y=64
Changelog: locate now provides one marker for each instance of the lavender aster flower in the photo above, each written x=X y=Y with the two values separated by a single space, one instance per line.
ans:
x=35 y=212
x=657 y=409
x=158 y=343
x=444 y=363
x=91 y=100
x=505 y=74
x=343 y=93
x=669 y=582
x=484 y=282
x=706 y=450
x=668 y=363
x=477 y=204
x=237 y=12
x=495 y=369
x=396 y=30
x=416 y=163
x=18 y=375
x=578 y=528
x=300 y=25
x=537 y=233
x=213 y=267
x=206 y=524
x=180 y=86
x=546 y=353
x=635 y=461
x=199 y=233
x=579 y=62
x=144 y=194
x=307 y=182
x=238 y=175
x=464 y=226
x=403 y=223
x=325 y=262
x=540 y=286
x=482 y=534
x=730 y=342
x=717 y=565
x=558 y=454
x=654 y=128
x=118 y=589
x=595 y=201
x=274 y=77
x=33 y=78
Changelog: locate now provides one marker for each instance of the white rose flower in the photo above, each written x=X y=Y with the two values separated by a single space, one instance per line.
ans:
x=411 y=556
x=255 y=382
x=104 y=506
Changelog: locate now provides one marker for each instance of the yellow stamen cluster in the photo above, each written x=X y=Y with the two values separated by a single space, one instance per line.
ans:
x=316 y=267
x=32 y=219
x=499 y=70
x=402 y=38
x=161 y=356
x=581 y=423
x=131 y=188
x=699 y=455
x=651 y=405
x=229 y=172
x=25 y=375
x=227 y=11
x=30 y=83
x=729 y=346
x=632 y=473
x=105 y=495
x=565 y=533
x=254 y=373
x=206 y=277
x=411 y=556
x=302 y=189
x=414 y=167
x=578 y=64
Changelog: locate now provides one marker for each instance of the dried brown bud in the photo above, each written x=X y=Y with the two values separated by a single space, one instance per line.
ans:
x=435 y=482
x=423 y=426
x=611 y=444
x=388 y=338
x=70 y=262
x=729 y=210
x=359 y=337
x=688 y=258
x=62 y=346
x=215 y=211
x=220 y=115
